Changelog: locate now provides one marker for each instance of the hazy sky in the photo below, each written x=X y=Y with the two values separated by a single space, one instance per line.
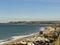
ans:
x=28 y=10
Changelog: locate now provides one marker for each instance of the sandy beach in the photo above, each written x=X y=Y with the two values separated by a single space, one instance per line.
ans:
x=17 y=39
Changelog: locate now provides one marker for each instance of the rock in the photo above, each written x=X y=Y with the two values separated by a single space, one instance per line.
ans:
x=30 y=43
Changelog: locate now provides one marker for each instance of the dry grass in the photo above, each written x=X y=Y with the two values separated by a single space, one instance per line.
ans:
x=58 y=41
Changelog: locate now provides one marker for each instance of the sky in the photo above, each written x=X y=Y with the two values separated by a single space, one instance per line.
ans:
x=29 y=10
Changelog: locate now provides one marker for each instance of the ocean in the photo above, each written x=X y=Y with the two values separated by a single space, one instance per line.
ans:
x=10 y=31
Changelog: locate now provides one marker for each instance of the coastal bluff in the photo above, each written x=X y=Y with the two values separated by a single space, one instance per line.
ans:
x=46 y=37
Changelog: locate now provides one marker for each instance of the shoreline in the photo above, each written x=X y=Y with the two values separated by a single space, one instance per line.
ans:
x=14 y=38
x=47 y=36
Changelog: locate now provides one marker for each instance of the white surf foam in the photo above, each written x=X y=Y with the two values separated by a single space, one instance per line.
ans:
x=13 y=38
x=16 y=37
x=41 y=28
x=3 y=41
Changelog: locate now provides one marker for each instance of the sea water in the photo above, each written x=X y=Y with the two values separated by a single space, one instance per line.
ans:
x=11 y=31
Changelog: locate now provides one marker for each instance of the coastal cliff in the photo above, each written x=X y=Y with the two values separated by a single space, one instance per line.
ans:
x=46 y=37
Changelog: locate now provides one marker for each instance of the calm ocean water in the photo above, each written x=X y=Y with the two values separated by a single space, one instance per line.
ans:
x=9 y=30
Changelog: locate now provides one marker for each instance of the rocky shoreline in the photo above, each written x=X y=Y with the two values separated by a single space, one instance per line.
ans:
x=46 y=37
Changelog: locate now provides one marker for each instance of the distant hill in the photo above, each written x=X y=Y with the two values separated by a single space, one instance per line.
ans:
x=35 y=22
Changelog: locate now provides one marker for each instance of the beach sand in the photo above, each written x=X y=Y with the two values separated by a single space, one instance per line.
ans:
x=20 y=38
